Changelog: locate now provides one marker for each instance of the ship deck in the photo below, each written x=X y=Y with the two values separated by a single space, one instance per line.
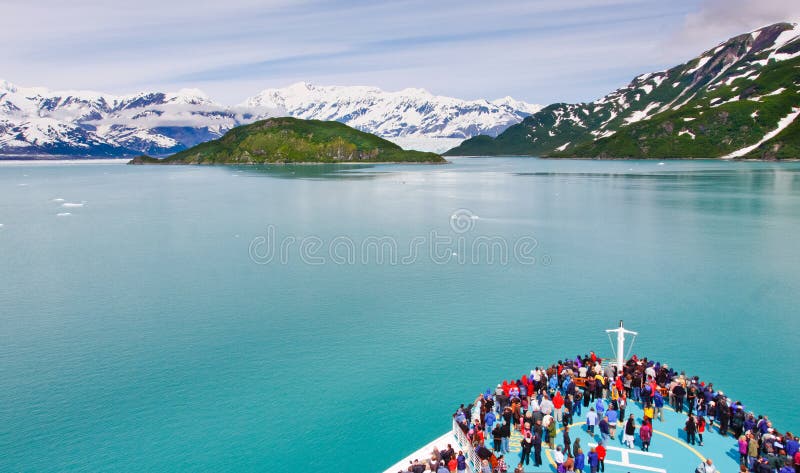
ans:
x=669 y=452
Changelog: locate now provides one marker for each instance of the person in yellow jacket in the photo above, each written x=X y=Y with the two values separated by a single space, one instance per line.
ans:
x=648 y=412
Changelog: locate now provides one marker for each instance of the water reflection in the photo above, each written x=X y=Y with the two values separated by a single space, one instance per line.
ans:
x=308 y=171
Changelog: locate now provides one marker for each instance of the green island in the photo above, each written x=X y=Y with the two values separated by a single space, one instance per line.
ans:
x=288 y=140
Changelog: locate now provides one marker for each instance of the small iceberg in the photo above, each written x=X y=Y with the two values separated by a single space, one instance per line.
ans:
x=58 y=199
x=63 y=214
x=661 y=164
x=72 y=204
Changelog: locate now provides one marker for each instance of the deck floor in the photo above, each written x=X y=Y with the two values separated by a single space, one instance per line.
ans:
x=669 y=452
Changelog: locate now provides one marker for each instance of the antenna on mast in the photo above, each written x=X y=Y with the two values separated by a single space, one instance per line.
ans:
x=619 y=350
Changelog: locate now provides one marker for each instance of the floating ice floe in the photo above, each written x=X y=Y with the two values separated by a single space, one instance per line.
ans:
x=660 y=164
x=63 y=214
x=58 y=199
x=72 y=204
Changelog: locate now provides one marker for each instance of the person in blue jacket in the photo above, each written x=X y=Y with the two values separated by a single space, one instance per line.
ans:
x=488 y=421
x=553 y=383
x=658 y=405
x=600 y=407
x=594 y=461
x=580 y=460
x=461 y=462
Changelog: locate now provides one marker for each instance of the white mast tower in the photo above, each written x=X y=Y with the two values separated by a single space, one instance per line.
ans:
x=619 y=350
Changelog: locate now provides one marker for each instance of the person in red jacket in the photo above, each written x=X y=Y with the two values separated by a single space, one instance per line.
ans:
x=601 y=456
x=558 y=407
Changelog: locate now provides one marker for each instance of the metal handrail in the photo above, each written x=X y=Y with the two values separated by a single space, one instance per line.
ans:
x=473 y=462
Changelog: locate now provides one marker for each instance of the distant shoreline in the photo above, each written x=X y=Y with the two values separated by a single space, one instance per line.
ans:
x=300 y=163
x=5 y=161
x=552 y=158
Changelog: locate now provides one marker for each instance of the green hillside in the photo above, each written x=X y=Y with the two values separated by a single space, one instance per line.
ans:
x=725 y=100
x=292 y=140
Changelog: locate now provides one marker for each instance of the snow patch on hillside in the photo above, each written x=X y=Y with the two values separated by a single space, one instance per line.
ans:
x=782 y=124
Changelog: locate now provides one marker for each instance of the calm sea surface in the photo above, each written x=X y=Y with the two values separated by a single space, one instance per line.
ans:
x=318 y=318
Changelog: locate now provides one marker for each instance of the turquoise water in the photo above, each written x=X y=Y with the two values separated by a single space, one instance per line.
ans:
x=140 y=333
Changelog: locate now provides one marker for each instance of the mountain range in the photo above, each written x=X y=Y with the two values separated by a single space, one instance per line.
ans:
x=37 y=121
x=739 y=99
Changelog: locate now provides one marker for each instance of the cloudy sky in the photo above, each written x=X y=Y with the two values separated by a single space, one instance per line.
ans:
x=541 y=51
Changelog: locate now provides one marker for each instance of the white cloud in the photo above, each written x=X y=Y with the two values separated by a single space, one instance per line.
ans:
x=535 y=50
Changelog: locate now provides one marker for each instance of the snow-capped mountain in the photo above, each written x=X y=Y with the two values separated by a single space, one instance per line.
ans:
x=39 y=121
x=405 y=113
x=80 y=123
x=740 y=98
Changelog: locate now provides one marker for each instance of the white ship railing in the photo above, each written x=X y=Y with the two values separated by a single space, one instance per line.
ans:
x=473 y=462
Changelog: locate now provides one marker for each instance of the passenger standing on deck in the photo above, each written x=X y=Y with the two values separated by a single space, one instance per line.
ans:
x=701 y=428
x=679 y=392
x=752 y=450
x=580 y=459
x=691 y=396
x=527 y=445
x=497 y=439
x=742 y=444
x=613 y=416
x=452 y=465
x=630 y=431
x=537 y=446
x=601 y=456
x=691 y=429
x=567 y=442
x=605 y=429
x=558 y=406
x=505 y=435
x=591 y=421
x=551 y=432
x=577 y=396
x=594 y=462
x=600 y=406
x=462 y=462
x=569 y=406
x=646 y=434
x=546 y=405
x=648 y=412
x=723 y=414
x=488 y=421
x=622 y=403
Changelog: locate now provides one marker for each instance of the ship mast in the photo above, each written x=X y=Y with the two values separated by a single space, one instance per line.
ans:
x=620 y=348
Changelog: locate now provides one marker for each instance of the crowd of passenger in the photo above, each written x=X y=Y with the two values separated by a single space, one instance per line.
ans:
x=585 y=388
